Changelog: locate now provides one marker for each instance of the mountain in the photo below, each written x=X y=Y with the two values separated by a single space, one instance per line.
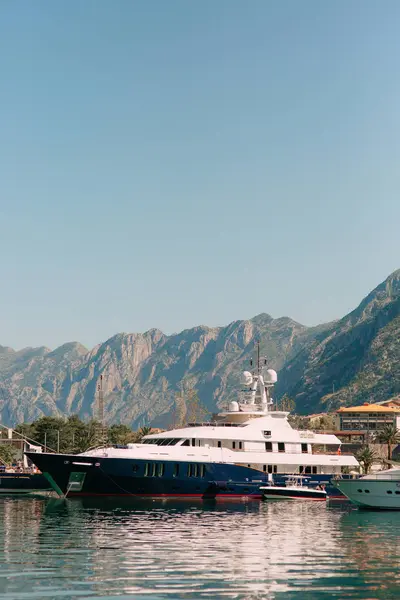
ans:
x=356 y=359
x=142 y=373
x=349 y=361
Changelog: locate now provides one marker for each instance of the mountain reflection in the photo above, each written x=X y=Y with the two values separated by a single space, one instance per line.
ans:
x=186 y=549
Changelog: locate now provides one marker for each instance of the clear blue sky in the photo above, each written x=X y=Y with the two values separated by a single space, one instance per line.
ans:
x=173 y=163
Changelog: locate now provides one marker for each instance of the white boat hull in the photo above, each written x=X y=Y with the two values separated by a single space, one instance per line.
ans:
x=292 y=493
x=370 y=493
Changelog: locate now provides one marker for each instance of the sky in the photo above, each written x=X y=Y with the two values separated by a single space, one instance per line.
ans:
x=170 y=164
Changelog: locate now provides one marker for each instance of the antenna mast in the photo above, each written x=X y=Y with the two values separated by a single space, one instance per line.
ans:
x=101 y=410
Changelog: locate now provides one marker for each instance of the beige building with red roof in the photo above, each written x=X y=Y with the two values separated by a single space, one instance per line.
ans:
x=369 y=417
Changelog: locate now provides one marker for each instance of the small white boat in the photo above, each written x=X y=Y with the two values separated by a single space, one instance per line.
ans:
x=378 y=490
x=294 y=489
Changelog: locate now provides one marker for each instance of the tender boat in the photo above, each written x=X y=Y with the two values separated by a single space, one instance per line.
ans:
x=378 y=490
x=228 y=457
x=294 y=489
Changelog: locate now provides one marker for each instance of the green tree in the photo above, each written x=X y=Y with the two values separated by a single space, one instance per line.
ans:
x=88 y=436
x=121 y=434
x=366 y=457
x=7 y=454
x=389 y=435
x=48 y=431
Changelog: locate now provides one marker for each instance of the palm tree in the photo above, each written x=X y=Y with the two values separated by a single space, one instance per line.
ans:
x=143 y=431
x=366 y=457
x=389 y=435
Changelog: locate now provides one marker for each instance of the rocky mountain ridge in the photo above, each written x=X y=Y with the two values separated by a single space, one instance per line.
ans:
x=354 y=359
x=142 y=373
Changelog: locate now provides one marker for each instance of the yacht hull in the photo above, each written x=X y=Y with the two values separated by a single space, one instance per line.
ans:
x=368 y=493
x=74 y=475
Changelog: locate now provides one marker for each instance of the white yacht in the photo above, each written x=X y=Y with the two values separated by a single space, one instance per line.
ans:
x=246 y=445
x=378 y=490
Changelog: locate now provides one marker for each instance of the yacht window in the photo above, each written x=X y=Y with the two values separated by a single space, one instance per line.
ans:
x=173 y=441
x=165 y=442
x=161 y=469
x=193 y=441
x=268 y=446
x=219 y=445
x=307 y=471
x=202 y=470
x=233 y=445
x=186 y=443
x=135 y=468
x=176 y=470
x=146 y=469
x=189 y=470
x=314 y=470
x=265 y=468
x=301 y=470
x=275 y=469
x=194 y=470
x=240 y=445
x=389 y=492
x=304 y=448
x=281 y=447
x=269 y=468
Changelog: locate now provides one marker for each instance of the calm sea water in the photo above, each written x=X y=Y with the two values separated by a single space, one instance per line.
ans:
x=71 y=549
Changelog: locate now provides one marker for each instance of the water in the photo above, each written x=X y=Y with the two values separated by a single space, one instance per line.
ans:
x=68 y=549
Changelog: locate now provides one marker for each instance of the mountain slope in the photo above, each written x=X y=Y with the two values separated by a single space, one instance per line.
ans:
x=357 y=359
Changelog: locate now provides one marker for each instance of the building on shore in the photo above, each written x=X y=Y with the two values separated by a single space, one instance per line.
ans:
x=368 y=418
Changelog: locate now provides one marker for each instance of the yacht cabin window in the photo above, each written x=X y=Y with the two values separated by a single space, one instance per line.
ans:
x=304 y=448
x=281 y=446
x=268 y=446
x=240 y=445
x=233 y=445
x=219 y=445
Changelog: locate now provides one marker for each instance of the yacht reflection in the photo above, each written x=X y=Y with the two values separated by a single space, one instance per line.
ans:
x=248 y=548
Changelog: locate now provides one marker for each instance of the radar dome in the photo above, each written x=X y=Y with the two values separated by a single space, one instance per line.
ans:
x=233 y=406
x=270 y=376
x=247 y=378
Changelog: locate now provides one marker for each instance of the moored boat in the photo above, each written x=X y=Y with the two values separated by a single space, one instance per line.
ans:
x=295 y=488
x=23 y=483
x=379 y=490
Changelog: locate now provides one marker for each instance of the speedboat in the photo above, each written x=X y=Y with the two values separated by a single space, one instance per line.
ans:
x=377 y=490
x=228 y=457
x=294 y=489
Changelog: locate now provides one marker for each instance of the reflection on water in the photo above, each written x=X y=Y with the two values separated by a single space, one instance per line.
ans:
x=85 y=548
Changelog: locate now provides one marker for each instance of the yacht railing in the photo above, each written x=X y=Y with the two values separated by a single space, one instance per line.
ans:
x=214 y=424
